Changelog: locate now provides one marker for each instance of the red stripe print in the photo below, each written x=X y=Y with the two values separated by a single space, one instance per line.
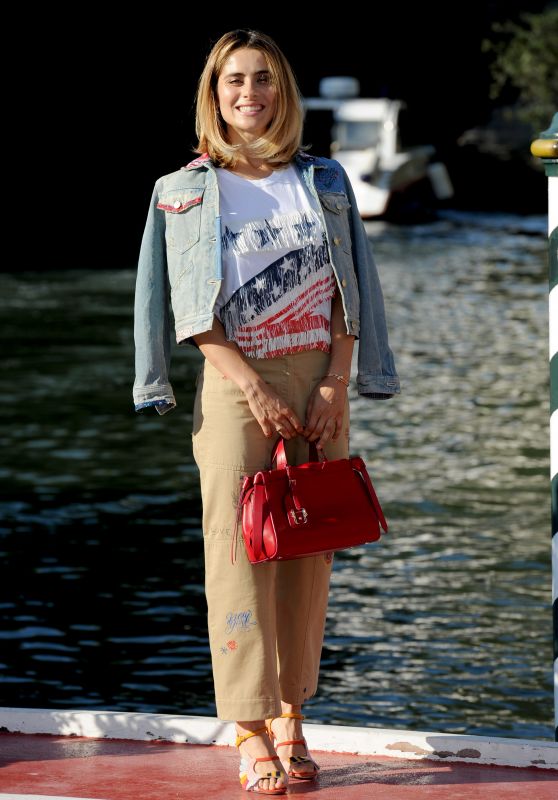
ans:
x=198 y=161
x=289 y=351
x=324 y=282
x=177 y=209
x=294 y=328
x=313 y=302
x=315 y=322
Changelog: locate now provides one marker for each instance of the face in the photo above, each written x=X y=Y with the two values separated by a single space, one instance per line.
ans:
x=245 y=95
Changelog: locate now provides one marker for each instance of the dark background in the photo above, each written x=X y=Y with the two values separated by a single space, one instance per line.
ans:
x=108 y=104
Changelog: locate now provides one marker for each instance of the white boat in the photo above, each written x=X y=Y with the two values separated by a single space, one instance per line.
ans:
x=388 y=182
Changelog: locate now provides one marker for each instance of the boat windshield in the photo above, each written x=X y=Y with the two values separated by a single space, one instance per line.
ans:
x=358 y=135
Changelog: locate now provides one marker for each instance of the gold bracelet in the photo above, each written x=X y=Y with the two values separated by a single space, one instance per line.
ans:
x=339 y=378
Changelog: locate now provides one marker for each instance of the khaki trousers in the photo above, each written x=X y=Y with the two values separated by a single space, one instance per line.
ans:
x=266 y=621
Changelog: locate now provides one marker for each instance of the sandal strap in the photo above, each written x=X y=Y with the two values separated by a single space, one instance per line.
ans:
x=266 y=758
x=286 y=715
x=240 y=739
x=291 y=741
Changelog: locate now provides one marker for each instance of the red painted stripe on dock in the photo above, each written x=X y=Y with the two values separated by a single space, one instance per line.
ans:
x=135 y=770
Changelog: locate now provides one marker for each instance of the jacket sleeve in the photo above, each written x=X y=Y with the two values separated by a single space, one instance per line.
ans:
x=376 y=377
x=152 y=329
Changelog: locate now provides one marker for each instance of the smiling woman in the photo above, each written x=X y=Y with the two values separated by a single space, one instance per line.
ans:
x=249 y=112
x=246 y=98
x=271 y=276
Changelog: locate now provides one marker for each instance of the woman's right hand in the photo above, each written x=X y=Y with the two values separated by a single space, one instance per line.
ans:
x=274 y=415
x=272 y=412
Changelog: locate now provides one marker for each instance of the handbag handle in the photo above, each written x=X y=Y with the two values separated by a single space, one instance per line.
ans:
x=279 y=455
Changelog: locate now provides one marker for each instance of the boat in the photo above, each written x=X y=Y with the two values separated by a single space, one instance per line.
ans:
x=74 y=754
x=388 y=182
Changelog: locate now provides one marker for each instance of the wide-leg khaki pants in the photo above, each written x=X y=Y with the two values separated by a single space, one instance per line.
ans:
x=266 y=621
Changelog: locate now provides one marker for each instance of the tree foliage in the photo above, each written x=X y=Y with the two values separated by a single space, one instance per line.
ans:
x=524 y=68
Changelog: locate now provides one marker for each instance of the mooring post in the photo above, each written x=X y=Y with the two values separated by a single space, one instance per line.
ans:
x=546 y=148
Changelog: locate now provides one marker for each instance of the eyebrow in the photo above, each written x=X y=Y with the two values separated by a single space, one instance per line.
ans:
x=241 y=74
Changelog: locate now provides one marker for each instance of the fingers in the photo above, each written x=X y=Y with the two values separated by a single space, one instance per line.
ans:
x=326 y=434
x=288 y=425
x=324 y=416
x=273 y=414
x=266 y=427
x=296 y=423
x=324 y=430
x=285 y=424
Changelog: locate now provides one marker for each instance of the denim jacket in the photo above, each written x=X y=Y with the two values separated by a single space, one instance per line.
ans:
x=180 y=266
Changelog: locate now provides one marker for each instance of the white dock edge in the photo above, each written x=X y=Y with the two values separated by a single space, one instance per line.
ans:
x=332 y=738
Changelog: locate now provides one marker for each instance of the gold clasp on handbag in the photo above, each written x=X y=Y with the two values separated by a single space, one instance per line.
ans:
x=298 y=516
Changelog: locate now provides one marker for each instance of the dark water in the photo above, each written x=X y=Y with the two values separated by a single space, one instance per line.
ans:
x=445 y=625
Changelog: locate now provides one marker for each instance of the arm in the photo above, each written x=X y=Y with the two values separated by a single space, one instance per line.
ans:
x=152 y=330
x=324 y=413
x=270 y=410
x=376 y=374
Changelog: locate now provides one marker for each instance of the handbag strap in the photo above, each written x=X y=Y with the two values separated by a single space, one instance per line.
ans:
x=360 y=467
x=257 y=490
x=258 y=519
x=246 y=483
x=235 y=532
x=279 y=455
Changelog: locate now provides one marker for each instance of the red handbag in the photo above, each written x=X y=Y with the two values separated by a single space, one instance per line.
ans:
x=297 y=511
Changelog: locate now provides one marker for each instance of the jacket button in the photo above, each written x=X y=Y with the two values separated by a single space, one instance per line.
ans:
x=343 y=282
x=338 y=205
x=337 y=240
x=353 y=324
x=177 y=204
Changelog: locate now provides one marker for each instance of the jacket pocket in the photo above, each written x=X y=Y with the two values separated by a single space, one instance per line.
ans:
x=336 y=211
x=335 y=202
x=182 y=209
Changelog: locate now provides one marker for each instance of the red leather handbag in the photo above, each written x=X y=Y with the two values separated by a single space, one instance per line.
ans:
x=297 y=511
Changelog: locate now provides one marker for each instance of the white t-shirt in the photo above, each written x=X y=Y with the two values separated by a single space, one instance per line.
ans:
x=278 y=282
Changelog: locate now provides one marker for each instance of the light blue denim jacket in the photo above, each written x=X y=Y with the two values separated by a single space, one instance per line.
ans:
x=180 y=266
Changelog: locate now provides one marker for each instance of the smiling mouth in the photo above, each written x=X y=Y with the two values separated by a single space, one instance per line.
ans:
x=250 y=109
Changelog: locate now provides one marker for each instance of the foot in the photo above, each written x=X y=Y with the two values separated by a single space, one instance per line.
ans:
x=286 y=733
x=258 y=746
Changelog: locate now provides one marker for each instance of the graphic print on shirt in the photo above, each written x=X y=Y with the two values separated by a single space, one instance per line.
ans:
x=285 y=306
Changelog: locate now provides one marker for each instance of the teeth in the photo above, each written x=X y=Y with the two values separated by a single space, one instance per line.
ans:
x=250 y=108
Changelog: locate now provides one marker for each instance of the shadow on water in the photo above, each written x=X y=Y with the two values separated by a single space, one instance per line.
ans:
x=444 y=625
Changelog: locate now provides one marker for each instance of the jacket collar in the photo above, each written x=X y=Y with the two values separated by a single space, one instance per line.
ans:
x=301 y=159
x=202 y=161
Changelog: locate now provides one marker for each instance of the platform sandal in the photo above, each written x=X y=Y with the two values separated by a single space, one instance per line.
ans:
x=248 y=776
x=292 y=766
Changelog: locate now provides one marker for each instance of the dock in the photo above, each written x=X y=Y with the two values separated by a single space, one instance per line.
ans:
x=50 y=754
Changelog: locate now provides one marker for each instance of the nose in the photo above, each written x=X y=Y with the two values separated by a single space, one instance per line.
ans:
x=250 y=87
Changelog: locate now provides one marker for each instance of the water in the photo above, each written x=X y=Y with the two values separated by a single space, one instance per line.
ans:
x=444 y=625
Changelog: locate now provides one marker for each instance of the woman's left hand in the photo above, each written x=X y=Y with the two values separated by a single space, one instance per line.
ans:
x=324 y=413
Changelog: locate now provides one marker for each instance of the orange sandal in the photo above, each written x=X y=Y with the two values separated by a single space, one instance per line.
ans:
x=294 y=761
x=249 y=778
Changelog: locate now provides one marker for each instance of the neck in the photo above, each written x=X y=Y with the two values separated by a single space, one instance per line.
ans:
x=249 y=167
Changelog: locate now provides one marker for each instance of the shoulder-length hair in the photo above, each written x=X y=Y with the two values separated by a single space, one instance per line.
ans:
x=283 y=137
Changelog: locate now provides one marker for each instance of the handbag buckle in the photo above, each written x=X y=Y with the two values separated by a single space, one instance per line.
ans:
x=298 y=516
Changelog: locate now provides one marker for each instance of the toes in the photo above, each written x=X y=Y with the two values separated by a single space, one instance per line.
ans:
x=268 y=784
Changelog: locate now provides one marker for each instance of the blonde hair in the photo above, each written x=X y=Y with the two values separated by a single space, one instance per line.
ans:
x=283 y=138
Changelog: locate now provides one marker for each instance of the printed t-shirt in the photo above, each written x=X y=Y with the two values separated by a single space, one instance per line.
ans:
x=275 y=298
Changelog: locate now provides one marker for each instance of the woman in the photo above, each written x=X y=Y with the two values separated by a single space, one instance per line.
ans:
x=271 y=276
